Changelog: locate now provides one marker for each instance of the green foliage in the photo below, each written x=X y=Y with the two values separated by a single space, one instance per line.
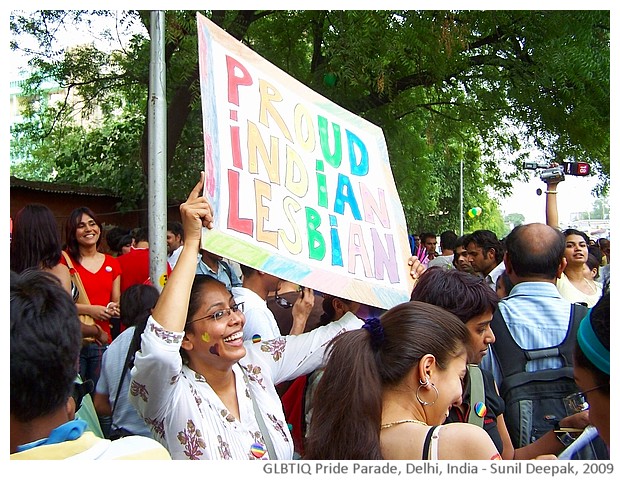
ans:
x=601 y=209
x=477 y=88
x=515 y=219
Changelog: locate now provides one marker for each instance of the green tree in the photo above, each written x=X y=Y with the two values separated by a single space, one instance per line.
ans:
x=600 y=209
x=478 y=87
x=515 y=219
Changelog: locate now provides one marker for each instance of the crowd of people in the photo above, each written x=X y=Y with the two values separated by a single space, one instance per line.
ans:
x=229 y=362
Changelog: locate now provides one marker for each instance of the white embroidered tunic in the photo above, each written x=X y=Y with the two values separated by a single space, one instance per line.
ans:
x=188 y=417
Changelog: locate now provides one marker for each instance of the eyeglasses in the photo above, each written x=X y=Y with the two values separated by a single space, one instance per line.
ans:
x=592 y=389
x=283 y=302
x=237 y=307
x=578 y=402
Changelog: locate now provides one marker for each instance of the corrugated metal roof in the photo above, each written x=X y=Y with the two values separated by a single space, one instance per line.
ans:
x=61 y=188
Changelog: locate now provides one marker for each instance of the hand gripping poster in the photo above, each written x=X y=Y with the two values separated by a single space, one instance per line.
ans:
x=301 y=188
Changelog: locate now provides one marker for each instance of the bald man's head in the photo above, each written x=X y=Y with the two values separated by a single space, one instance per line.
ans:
x=535 y=250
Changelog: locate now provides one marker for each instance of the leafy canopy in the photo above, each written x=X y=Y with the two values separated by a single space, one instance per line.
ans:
x=477 y=89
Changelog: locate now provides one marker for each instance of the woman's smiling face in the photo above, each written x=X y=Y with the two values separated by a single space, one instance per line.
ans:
x=87 y=231
x=449 y=384
x=216 y=330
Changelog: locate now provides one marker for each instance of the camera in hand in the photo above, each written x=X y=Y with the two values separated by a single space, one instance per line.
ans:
x=556 y=173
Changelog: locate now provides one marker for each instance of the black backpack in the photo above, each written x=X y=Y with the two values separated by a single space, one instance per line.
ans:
x=534 y=399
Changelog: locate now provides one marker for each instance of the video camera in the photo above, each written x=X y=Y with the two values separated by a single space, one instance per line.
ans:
x=556 y=173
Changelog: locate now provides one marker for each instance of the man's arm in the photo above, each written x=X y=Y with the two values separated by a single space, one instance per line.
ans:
x=301 y=310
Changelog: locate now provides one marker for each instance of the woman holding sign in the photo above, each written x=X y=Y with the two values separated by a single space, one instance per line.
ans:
x=204 y=392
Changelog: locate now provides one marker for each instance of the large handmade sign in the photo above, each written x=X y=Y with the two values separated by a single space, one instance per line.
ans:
x=301 y=188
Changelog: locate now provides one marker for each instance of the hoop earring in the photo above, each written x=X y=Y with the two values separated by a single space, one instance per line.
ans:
x=426 y=404
x=423 y=383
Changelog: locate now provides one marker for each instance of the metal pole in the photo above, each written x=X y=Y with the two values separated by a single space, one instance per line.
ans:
x=157 y=127
x=461 y=196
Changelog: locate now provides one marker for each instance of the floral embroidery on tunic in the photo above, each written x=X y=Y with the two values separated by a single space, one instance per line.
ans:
x=254 y=374
x=157 y=426
x=275 y=347
x=138 y=390
x=165 y=335
x=195 y=394
x=192 y=439
x=223 y=448
x=229 y=417
x=278 y=425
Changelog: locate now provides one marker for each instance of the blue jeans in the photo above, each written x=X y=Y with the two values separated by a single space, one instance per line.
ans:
x=90 y=361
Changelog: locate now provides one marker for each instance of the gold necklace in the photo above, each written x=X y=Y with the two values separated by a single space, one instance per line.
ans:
x=398 y=422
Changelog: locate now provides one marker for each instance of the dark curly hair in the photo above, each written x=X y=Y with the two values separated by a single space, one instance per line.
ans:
x=460 y=293
x=45 y=344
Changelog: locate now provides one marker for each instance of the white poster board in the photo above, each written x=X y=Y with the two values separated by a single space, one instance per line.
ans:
x=301 y=188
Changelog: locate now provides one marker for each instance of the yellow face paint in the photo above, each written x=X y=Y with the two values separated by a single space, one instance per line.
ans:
x=205 y=337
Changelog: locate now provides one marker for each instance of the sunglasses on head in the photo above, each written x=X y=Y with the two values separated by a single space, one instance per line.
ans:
x=283 y=302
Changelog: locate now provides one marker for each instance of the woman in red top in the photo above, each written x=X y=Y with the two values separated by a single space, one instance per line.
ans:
x=100 y=275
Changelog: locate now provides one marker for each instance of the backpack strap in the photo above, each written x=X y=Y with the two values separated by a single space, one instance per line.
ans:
x=476 y=394
x=512 y=358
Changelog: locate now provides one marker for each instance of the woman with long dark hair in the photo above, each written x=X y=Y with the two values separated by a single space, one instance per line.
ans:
x=35 y=243
x=112 y=394
x=574 y=285
x=100 y=275
x=474 y=303
x=388 y=388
